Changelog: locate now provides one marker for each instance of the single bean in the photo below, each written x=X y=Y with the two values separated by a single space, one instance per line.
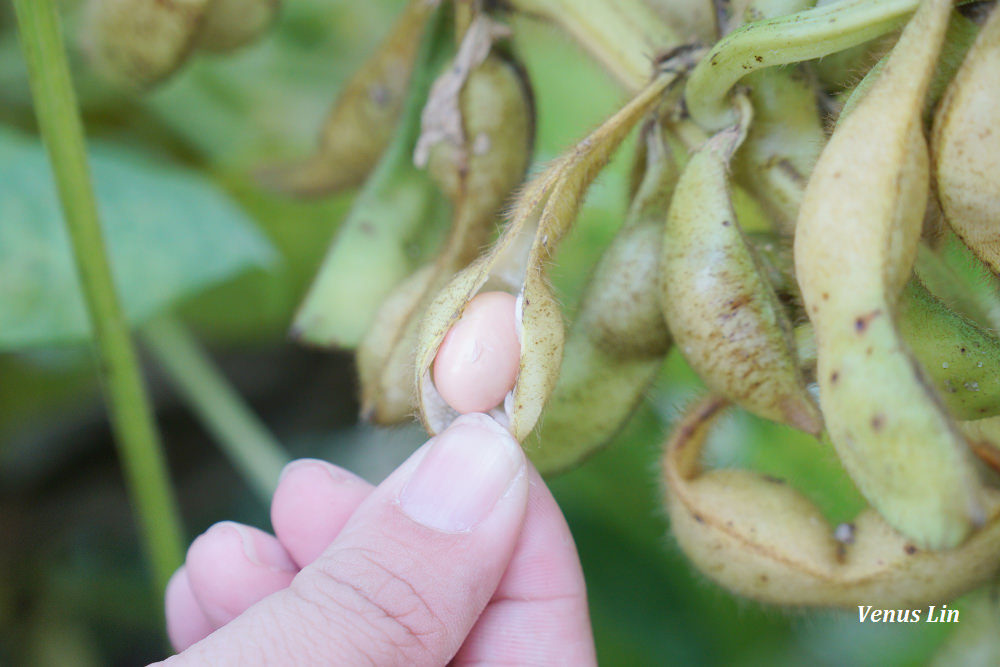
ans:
x=477 y=363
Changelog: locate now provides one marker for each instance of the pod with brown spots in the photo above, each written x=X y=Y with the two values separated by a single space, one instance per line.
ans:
x=723 y=313
x=855 y=244
x=760 y=538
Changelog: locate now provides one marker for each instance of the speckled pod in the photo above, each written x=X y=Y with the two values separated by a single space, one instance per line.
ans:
x=230 y=24
x=618 y=341
x=359 y=128
x=856 y=240
x=394 y=222
x=517 y=263
x=961 y=357
x=722 y=312
x=763 y=539
x=966 y=147
x=478 y=176
x=137 y=43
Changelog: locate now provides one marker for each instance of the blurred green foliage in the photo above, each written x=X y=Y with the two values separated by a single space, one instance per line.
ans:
x=72 y=587
x=168 y=233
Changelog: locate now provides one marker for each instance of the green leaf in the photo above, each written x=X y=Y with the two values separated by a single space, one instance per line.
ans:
x=169 y=235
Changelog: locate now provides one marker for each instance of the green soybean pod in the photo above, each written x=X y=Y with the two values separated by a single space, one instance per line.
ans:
x=618 y=341
x=138 y=43
x=394 y=219
x=722 y=311
x=856 y=240
x=362 y=123
x=479 y=175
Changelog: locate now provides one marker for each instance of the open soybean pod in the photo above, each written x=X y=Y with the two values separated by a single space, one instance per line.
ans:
x=386 y=233
x=138 y=43
x=363 y=120
x=761 y=538
x=722 y=311
x=618 y=341
x=478 y=171
x=966 y=147
x=230 y=24
x=855 y=244
x=517 y=263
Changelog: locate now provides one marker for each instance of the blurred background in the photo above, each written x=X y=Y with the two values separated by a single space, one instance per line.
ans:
x=74 y=589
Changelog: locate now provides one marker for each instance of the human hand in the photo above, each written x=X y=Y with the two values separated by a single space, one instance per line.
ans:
x=460 y=555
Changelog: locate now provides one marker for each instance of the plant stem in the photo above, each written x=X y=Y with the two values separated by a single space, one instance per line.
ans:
x=805 y=35
x=131 y=415
x=239 y=432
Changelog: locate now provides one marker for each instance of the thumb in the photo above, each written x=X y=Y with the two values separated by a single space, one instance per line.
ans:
x=414 y=567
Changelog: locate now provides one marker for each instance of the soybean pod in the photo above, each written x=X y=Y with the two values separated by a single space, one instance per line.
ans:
x=855 y=244
x=763 y=539
x=386 y=234
x=517 y=264
x=618 y=341
x=966 y=147
x=478 y=172
x=362 y=123
x=723 y=313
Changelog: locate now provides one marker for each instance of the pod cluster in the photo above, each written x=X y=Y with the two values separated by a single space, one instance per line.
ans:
x=800 y=234
x=137 y=43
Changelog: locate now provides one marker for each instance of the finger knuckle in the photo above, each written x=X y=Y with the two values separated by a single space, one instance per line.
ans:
x=380 y=612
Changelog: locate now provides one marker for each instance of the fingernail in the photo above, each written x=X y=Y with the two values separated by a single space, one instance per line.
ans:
x=317 y=466
x=467 y=469
x=260 y=552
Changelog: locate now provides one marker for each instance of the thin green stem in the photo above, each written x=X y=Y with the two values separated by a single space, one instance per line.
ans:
x=808 y=34
x=238 y=431
x=131 y=416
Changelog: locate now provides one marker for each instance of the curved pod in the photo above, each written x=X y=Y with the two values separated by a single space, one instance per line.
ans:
x=856 y=241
